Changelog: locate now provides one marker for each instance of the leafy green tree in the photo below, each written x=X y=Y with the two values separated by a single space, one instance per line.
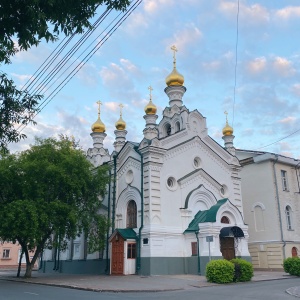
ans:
x=48 y=195
x=23 y=24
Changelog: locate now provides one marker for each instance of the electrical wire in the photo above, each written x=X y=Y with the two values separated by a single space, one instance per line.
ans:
x=84 y=61
x=236 y=59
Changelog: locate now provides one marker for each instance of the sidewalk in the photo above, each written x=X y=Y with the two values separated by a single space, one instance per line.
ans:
x=134 y=283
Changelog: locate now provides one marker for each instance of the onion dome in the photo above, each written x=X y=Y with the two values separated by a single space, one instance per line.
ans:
x=120 y=124
x=227 y=130
x=150 y=108
x=174 y=78
x=98 y=126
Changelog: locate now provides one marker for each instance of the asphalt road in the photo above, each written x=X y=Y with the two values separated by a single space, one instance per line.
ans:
x=267 y=290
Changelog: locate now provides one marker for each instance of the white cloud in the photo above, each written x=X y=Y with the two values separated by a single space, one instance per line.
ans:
x=253 y=15
x=296 y=89
x=288 y=120
x=288 y=12
x=184 y=38
x=257 y=65
x=283 y=67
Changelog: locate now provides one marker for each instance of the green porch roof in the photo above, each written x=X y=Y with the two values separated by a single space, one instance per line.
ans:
x=203 y=216
x=127 y=233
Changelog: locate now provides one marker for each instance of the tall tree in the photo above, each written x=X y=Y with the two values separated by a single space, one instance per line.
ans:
x=48 y=195
x=24 y=23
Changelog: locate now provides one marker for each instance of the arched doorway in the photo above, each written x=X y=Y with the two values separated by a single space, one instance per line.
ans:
x=227 y=240
x=294 y=252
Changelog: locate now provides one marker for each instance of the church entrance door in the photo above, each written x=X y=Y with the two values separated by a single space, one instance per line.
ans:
x=117 y=255
x=227 y=247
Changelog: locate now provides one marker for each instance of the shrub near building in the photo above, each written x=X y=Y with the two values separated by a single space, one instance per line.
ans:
x=291 y=265
x=243 y=270
x=220 y=271
x=224 y=271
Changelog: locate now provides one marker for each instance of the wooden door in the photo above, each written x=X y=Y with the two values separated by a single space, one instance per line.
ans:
x=227 y=247
x=117 y=256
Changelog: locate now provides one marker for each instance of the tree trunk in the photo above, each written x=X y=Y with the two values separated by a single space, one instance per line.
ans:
x=20 y=262
x=29 y=268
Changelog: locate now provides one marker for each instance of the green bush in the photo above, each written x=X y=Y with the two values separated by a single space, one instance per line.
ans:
x=291 y=265
x=220 y=271
x=243 y=270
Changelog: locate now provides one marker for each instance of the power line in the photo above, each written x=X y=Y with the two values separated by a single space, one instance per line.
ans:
x=278 y=140
x=85 y=59
x=236 y=55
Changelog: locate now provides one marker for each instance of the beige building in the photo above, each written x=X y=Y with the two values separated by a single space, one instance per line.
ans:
x=271 y=200
x=9 y=255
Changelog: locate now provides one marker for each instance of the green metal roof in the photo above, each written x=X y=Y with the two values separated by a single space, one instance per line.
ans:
x=205 y=216
x=127 y=233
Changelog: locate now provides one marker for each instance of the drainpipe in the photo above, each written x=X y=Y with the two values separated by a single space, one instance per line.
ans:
x=296 y=168
x=198 y=254
x=114 y=195
x=108 y=218
x=142 y=210
x=278 y=206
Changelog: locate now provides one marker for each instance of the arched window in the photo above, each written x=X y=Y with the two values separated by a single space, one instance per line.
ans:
x=288 y=214
x=294 y=252
x=259 y=218
x=177 y=126
x=225 y=220
x=167 y=129
x=131 y=215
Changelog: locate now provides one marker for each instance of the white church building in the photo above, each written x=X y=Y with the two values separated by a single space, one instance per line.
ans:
x=175 y=198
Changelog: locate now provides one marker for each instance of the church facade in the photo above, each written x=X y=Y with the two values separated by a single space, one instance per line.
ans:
x=175 y=199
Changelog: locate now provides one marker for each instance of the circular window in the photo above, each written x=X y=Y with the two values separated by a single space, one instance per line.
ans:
x=129 y=176
x=171 y=183
x=197 y=162
x=223 y=190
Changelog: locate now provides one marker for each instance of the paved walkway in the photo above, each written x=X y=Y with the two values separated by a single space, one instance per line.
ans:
x=133 y=283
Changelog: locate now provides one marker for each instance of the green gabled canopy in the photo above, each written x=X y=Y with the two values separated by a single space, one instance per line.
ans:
x=126 y=234
x=208 y=215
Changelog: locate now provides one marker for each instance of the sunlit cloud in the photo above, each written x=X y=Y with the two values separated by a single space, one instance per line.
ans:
x=288 y=12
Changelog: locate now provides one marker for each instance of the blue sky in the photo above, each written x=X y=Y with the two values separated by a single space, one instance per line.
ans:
x=266 y=106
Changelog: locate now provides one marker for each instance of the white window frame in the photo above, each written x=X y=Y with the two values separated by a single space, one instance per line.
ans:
x=6 y=254
x=285 y=186
x=288 y=215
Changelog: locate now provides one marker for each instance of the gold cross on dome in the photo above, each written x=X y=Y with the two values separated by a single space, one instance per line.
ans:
x=174 y=54
x=121 y=107
x=150 y=89
x=226 y=113
x=99 y=103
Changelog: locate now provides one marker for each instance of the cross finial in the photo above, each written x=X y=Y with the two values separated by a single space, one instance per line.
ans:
x=226 y=113
x=174 y=55
x=150 y=90
x=99 y=103
x=121 y=107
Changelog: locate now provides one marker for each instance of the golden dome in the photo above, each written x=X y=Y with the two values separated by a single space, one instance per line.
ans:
x=120 y=124
x=174 y=78
x=98 y=126
x=150 y=108
x=227 y=130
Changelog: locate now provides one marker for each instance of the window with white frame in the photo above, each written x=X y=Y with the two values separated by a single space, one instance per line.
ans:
x=288 y=214
x=6 y=253
x=284 y=180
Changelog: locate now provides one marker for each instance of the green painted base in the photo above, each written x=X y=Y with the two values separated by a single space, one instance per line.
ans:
x=176 y=265
x=76 y=267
